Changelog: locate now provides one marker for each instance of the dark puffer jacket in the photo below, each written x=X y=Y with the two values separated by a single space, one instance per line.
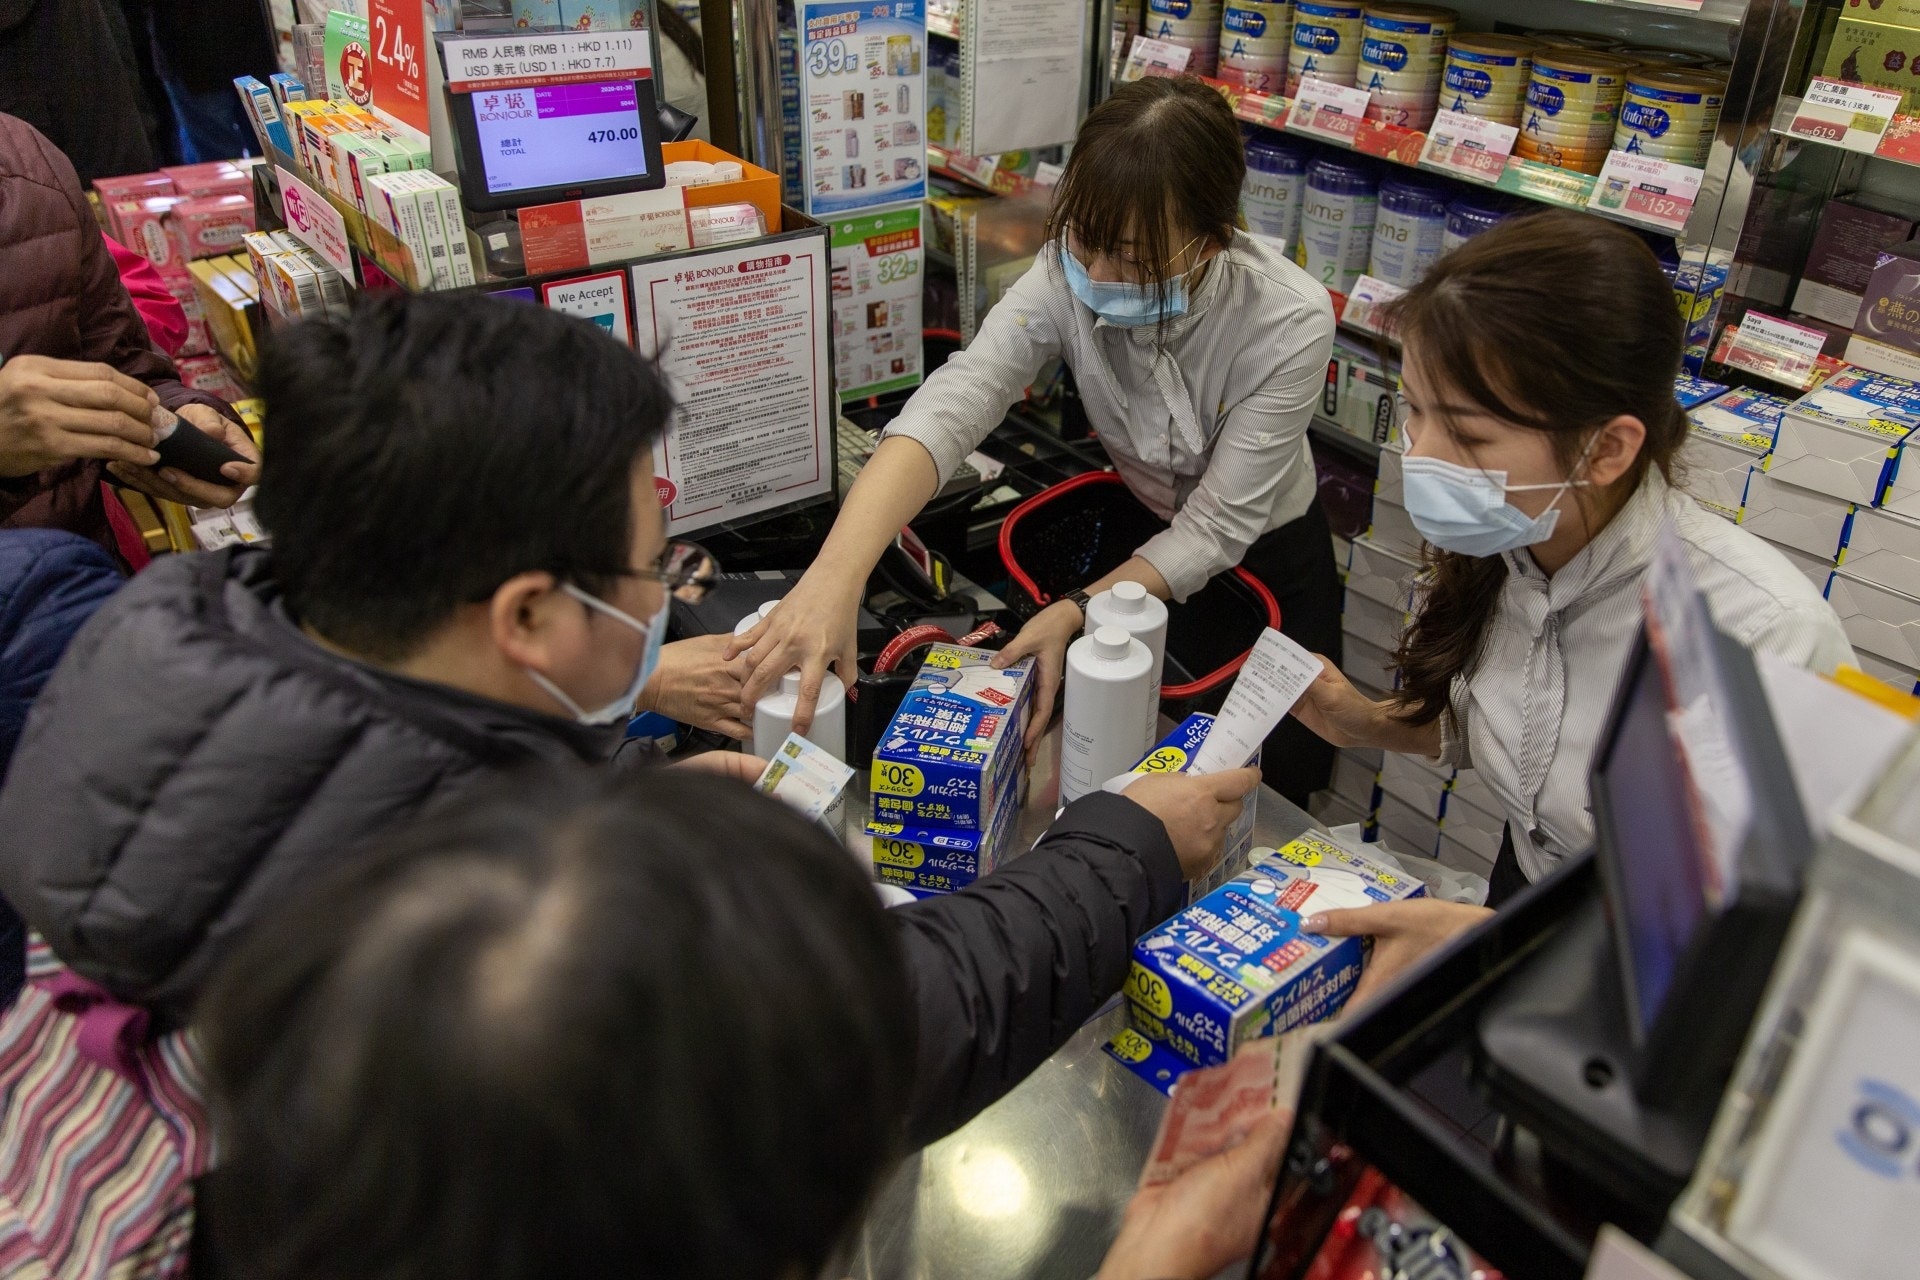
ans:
x=196 y=758
x=60 y=296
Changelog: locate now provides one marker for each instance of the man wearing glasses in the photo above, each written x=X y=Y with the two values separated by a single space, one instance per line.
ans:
x=468 y=576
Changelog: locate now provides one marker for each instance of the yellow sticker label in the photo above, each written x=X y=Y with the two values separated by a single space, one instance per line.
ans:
x=1131 y=1046
x=1301 y=855
x=893 y=779
x=945 y=659
x=1150 y=991
x=1163 y=760
x=899 y=853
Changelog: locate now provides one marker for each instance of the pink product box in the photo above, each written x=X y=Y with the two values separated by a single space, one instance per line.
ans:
x=206 y=373
x=142 y=224
x=209 y=227
x=198 y=342
x=130 y=186
x=214 y=178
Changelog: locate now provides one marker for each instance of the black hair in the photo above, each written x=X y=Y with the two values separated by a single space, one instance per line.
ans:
x=429 y=448
x=652 y=1025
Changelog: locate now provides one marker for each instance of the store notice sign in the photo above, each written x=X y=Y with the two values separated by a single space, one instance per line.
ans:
x=1327 y=110
x=398 y=30
x=742 y=335
x=1775 y=348
x=599 y=298
x=1846 y=115
x=864 y=100
x=1471 y=147
x=877 y=282
x=1659 y=193
x=317 y=223
x=532 y=59
x=1150 y=57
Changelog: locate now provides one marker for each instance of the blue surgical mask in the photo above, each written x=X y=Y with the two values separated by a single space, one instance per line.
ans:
x=621 y=708
x=1465 y=509
x=1120 y=303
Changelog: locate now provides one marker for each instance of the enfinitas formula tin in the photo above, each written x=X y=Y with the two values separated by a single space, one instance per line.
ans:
x=1670 y=115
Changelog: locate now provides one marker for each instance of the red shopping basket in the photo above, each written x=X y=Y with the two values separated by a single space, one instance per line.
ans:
x=1082 y=529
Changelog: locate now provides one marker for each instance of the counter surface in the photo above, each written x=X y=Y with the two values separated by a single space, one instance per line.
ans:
x=1035 y=1185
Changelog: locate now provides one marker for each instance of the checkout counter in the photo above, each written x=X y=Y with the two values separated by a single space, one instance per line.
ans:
x=1033 y=1186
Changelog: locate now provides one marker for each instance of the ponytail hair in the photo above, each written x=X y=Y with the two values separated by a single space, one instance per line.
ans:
x=1557 y=322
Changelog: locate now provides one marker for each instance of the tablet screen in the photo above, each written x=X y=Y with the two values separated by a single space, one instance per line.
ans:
x=561 y=136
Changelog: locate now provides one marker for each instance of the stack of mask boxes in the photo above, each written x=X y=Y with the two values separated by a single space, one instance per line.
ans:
x=1235 y=966
x=946 y=776
x=1174 y=754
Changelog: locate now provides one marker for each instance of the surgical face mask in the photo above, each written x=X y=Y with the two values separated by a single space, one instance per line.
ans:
x=1121 y=303
x=621 y=707
x=1465 y=509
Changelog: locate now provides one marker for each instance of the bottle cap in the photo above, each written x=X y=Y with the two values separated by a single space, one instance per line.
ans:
x=767 y=608
x=1129 y=597
x=790 y=683
x=1111 y=642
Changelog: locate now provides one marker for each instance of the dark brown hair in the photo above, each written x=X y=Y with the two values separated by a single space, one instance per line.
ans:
x=1155 y=165
x=1555 y=321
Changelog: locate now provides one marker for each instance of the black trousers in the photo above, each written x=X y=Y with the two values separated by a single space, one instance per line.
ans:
x=1295 y=562
x=1507 y=878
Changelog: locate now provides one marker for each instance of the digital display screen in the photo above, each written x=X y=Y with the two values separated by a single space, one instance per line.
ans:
x=562 y=136
x=1655 y=841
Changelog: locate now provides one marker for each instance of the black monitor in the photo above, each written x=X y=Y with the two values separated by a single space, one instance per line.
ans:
x=520 y=147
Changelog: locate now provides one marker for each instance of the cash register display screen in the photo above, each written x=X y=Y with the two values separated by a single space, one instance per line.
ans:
x=1654 y=839
x=561 y=136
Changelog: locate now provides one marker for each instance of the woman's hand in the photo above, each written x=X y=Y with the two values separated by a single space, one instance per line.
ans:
x=1045 y=638
x=815 y=627
x=1208 y=1218
x=696 y=685
x=1337 y=711
x=175 y=485
x=1402 y=932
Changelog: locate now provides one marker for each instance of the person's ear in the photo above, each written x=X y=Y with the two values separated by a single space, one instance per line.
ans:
x=1615 y=449
x=521 y=618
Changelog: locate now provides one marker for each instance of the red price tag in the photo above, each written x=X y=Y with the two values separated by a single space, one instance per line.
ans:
x=1656 y=192
x=1329 y=111
x=1469 y=146
x=1658 y=207
x=1329 y=119
x=1818 y=130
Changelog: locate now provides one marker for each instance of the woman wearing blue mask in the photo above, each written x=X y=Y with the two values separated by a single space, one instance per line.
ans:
x=1541 y=435
x=1199 y=354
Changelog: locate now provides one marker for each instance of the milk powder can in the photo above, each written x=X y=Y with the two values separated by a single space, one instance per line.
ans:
x=1326 y=43
x=1275 y=188
x=1336 y=224
x=1410 y=230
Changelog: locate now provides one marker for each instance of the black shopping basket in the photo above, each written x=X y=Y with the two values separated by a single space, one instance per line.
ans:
x=1082 y=529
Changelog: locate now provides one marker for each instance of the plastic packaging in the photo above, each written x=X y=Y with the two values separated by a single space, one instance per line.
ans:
x=1410 y=233
x=1336 y=222
x=1109 y=678
x=1275 y=189
x=724 y=224
x=1129 y=606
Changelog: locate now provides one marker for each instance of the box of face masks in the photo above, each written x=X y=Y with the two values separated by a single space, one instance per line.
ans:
x=1726 y=438
x=1235 y=966
x=931 y=860
x=952 y=750
x=1174 y=753
x=1845 y=438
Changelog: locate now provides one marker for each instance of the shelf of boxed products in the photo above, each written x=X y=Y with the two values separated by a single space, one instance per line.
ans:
x=983 y=172
x=1900 y=143
x=943 y=24
x=1561 y=188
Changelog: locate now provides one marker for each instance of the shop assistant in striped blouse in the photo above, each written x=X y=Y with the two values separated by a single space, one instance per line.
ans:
x=1541 y=434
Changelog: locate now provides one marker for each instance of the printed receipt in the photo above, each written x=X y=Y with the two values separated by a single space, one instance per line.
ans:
x=1276 y=673
x=804 y=776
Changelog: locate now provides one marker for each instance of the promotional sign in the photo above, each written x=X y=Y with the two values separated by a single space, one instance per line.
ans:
x=601 y=299
x=742 y=335
x=317 y=223
x=863 y=104
x=1776 y=349
x=349 y=77
x=877 y=282
x=531 y=59
x=1328 y=110
x=1468 y=146
x=1155 y=58
x=1657 y=192
x=397 y=31
x=1846 y=115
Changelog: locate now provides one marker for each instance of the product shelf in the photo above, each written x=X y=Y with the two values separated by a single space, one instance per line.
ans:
x=1900 y=144
x=940 y=24
x=1543 y=184
x=981 y=172
x=1725 y=13
x=1337 y=437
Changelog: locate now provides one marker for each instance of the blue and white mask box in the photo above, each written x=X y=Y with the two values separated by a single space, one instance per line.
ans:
x=1845 y=438
x=1236 y=966
x=952 y=750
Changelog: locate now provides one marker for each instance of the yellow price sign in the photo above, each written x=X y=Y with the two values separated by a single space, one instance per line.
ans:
x=899 y=853
x=1149 y=990
x=1163 y=760
x=892 y=779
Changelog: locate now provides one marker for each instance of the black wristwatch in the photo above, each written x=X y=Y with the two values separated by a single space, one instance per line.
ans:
x=1082 y=599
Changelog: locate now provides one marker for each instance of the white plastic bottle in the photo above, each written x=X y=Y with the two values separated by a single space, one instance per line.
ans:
x=1104 y=733
x=773 y=721
x=1129 y=606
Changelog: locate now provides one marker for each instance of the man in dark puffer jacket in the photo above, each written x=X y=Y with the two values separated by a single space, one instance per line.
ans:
x=467 y=542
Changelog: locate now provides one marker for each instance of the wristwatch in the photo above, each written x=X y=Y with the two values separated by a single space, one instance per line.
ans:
x=1080 y=598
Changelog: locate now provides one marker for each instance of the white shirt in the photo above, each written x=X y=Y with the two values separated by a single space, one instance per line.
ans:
x=1209 y=430
x=1528 y=720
